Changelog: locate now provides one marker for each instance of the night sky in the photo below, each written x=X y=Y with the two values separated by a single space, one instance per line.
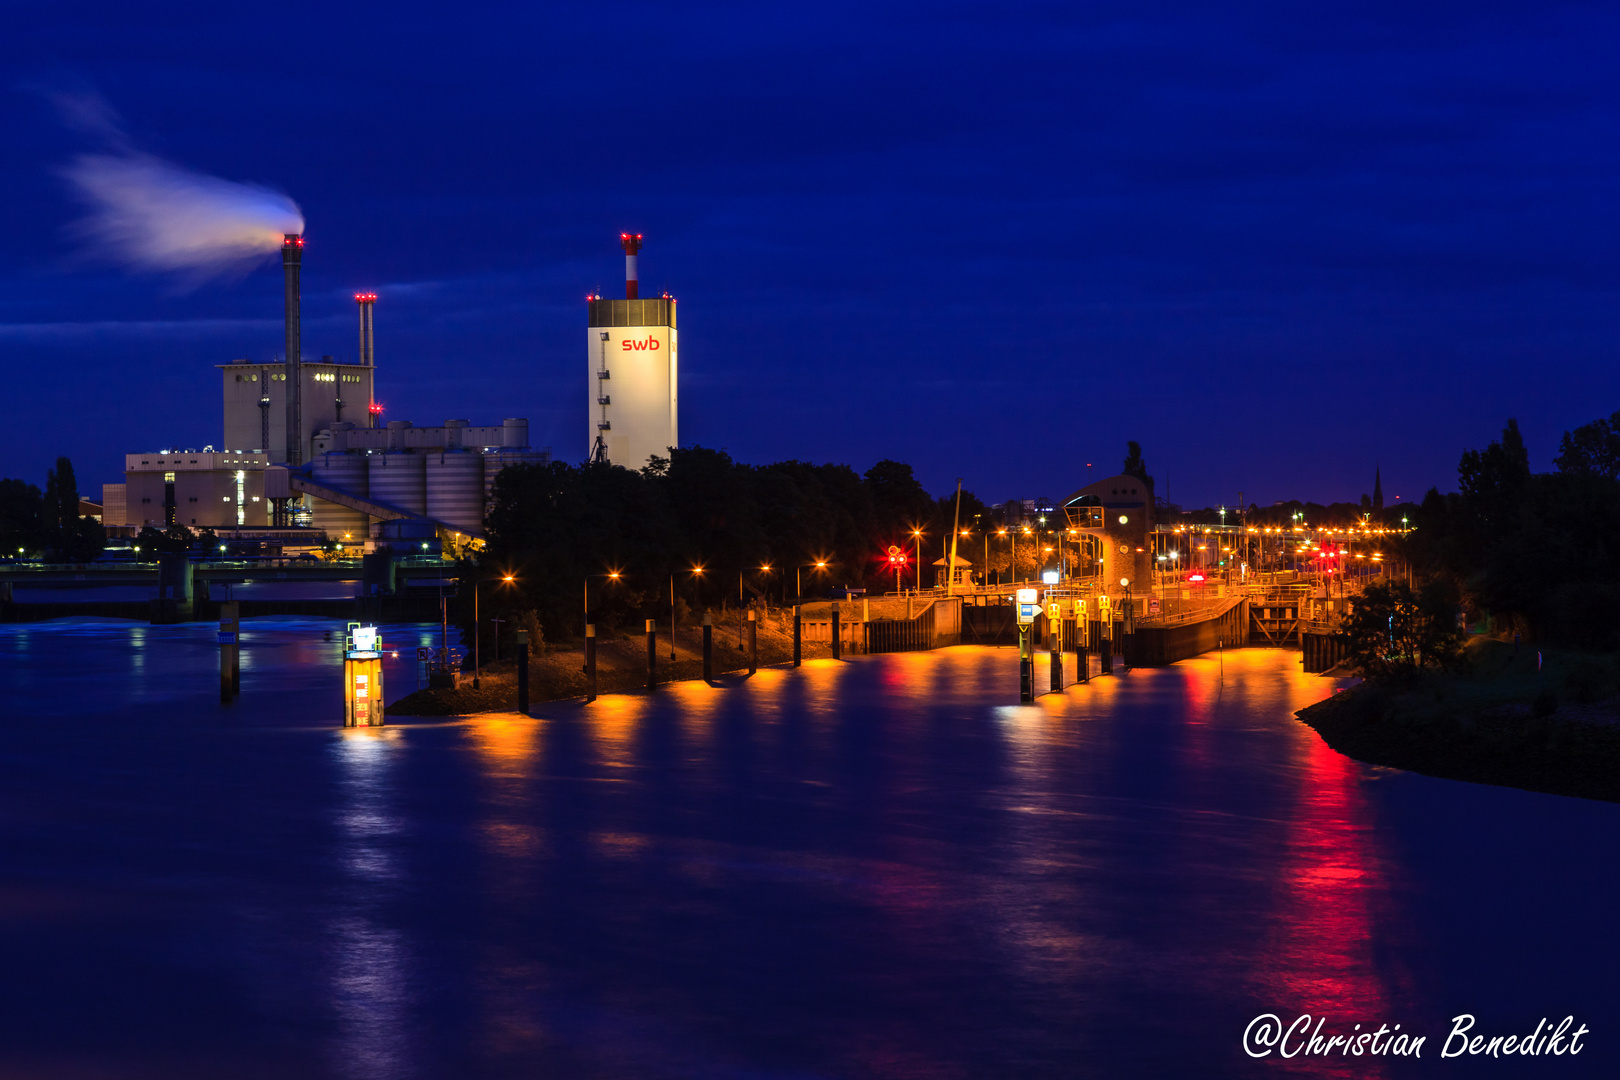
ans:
x=1277 y=245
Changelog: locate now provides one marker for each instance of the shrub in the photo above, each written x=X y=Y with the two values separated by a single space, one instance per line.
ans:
x=1393 y=632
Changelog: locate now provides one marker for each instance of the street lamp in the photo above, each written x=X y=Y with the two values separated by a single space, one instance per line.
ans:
x=917 y=535
x=611 y=575
x=505 y=579
x=765 y=568
x=697 y=573
x=798 y=576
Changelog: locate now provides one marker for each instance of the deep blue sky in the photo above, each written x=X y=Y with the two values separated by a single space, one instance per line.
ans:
x=1276 y=244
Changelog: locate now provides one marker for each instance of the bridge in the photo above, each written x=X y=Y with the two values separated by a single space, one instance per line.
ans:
x=408 y=588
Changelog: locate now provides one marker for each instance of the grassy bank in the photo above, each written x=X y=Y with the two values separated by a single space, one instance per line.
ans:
x=621 y=665
x=1496 y=721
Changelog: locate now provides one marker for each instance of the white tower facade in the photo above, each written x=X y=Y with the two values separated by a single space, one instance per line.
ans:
x=634 y=374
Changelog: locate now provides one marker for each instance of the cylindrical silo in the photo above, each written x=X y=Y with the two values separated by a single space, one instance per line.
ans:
x=455 y=490
x=500 y=459
x=347 y=473
x=514 y=433
x=398 y=478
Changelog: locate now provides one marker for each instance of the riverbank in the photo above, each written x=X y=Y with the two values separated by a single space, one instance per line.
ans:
x=621 y=666
x=1502 y=720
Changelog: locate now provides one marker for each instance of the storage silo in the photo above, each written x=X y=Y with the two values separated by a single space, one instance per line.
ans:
x=398 y=478
x=347 y=473
x=455 y=489
x=497 y=460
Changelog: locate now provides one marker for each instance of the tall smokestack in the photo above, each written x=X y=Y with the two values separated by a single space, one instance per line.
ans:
x=292 y=253
x=368 y=346
x=368 y=343
x=632 y=245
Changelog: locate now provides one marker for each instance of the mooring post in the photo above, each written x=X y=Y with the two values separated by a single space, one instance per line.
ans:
x=523 y=671
x=1054 y=638
x=230 y=671
x=652 y=654
x=753 y=642
x=1082 y=656
x=1106 y=648
x=837 y=637
x=590 y=661
x=798 y=634
x=1026 y=664
x=708 y=648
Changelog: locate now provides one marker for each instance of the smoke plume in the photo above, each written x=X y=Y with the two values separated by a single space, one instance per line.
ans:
x=153 y=215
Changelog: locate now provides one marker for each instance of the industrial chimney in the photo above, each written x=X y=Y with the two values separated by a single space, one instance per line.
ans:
x=632 y=245
x=292 y=253
x=368 y=346
x=368 y=353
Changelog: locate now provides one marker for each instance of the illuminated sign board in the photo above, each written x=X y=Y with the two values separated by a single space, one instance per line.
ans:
x=1028 y=606
x=364 y=643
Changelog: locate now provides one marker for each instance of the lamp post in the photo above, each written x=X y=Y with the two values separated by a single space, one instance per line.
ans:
x=506 y=579
x=917 y=535
x=611 y=575
x=798 y=576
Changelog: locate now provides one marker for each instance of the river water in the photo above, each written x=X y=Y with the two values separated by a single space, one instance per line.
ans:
x=879 y=868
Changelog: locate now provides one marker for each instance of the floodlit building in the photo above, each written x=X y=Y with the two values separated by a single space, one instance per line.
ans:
x=304 y=455
x=633 y=372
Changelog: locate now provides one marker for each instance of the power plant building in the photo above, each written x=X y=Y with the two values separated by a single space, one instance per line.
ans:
x=303 y=448
x=632 y=360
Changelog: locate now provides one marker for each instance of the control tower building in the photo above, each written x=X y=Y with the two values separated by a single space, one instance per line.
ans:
x=633 y=372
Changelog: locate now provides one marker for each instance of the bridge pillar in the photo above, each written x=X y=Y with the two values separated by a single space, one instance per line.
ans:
x=174 y=600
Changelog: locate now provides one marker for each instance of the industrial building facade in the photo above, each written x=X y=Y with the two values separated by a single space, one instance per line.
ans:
x=633 y=378
x=255 y=402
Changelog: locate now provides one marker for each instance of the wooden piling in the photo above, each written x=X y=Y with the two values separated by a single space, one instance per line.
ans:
x=590 y=661
x=753 y=642
x=652 y=655
x=708 y=648
x=523 y=671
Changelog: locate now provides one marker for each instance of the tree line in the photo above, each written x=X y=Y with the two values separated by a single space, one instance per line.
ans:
x=1538 y=552
x=47 y=524
x=712 y=525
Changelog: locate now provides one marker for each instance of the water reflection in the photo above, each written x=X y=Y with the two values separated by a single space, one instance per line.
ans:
x=865 y=869
x=372 y=970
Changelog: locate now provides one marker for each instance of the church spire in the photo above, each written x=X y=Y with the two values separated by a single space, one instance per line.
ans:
x=1378 y=490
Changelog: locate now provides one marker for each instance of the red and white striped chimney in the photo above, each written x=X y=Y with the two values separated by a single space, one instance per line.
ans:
x=632 y=245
